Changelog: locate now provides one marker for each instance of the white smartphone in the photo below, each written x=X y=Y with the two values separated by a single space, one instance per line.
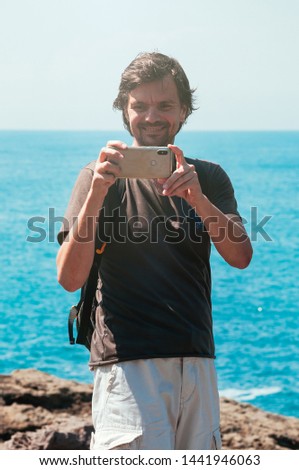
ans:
x=147 y=162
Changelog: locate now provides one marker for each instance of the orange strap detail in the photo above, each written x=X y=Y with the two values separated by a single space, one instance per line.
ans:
x=99 y=251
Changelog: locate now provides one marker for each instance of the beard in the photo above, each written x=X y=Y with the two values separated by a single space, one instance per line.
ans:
x=157 y=135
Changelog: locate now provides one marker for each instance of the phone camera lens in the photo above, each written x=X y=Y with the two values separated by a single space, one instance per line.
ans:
x=162 y=152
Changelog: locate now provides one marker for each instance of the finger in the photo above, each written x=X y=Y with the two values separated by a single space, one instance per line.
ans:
x=179 y=173
x=181 y=184
x=104 y=179
x=116 y=143
x=109 y=168
x=161 y=180
x=109 y=179
x=109 y=153
x=179 y=155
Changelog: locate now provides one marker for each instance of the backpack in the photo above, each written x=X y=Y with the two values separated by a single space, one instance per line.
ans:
x=84 y=312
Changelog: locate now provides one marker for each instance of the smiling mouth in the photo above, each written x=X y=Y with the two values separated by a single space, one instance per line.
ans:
x=153 y=129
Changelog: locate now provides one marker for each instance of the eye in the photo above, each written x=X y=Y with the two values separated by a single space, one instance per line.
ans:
x=139 y=107
x=165 y=106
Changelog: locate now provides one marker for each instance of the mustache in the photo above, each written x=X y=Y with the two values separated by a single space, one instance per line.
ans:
x=155 y=124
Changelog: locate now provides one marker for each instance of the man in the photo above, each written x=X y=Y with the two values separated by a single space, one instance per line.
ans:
x=152 y=350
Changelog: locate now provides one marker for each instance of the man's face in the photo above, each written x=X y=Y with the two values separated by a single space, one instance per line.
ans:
x=155 y=113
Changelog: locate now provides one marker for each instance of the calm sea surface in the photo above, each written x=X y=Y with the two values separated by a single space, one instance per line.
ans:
x=255 y=311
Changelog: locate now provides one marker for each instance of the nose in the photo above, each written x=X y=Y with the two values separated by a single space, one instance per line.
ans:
x=152 y=114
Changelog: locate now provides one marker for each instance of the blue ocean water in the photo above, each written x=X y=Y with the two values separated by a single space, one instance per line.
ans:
x=255 y=311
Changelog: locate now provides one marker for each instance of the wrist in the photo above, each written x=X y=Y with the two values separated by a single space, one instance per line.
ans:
x=95 y=200
x=201 y=204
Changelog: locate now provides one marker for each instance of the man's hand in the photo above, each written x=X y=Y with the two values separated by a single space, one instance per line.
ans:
x=226 y=230
x=184 y=180
x=107 y=168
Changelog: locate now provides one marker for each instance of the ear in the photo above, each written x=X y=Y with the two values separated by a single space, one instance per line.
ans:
x=183 y=114
x=125 y=113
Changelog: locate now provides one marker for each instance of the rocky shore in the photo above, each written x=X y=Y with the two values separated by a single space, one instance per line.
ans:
x=41 y=411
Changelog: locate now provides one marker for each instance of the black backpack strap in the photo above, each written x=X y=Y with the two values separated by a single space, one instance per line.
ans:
x=72 y=317
x=113 y=201
x=85 y=324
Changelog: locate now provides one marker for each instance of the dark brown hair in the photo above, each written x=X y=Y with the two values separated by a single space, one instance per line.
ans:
x=148 y=67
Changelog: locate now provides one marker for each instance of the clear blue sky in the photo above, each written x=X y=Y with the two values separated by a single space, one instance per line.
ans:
x=61 y=60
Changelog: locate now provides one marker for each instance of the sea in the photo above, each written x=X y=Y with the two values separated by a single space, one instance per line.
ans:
x=255 y=311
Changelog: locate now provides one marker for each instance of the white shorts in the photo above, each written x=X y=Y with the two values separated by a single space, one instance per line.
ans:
x=165 y=404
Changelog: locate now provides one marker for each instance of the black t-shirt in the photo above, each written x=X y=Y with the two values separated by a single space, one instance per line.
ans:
x=154 y=288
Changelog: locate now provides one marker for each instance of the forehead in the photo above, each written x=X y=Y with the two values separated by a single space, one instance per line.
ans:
x=156 y=91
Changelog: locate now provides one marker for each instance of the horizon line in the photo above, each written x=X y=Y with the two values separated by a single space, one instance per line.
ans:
x=124 y=130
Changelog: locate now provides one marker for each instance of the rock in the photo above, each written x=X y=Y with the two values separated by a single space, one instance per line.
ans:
x=30 y=386
x=41 y=411
x=67 y=434
x=244 y=426
x=18 y=417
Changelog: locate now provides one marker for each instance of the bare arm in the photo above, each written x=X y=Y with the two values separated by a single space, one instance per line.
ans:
x=75 y=256
x=226 y=230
